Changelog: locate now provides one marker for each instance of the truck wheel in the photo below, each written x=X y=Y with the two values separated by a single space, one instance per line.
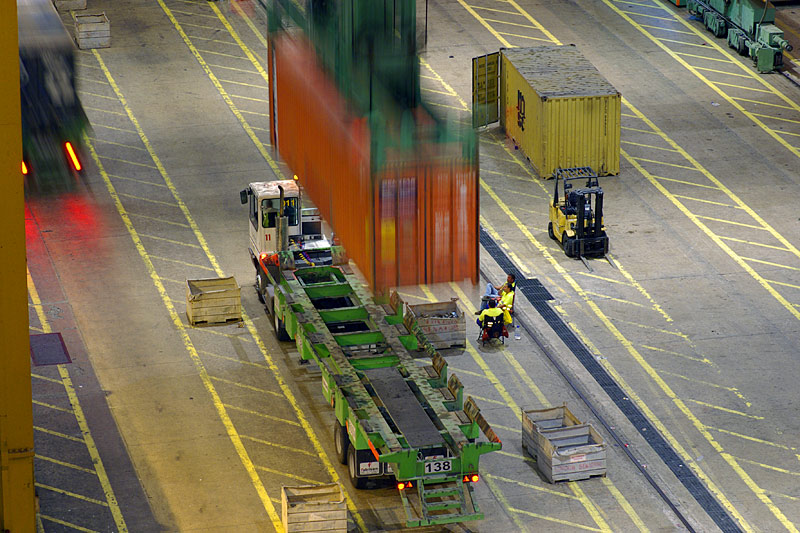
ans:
x=550 y=231
x=352 y=469
x=341 y=441
x=280 y=330
x=260 y=286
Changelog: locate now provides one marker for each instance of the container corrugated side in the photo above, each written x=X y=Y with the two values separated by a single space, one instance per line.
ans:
x=560 y=110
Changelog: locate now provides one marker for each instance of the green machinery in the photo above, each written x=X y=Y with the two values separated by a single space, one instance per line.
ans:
x=749 y=26
x=395 y=419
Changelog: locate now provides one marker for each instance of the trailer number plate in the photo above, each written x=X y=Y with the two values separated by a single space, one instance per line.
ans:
x=434 y=467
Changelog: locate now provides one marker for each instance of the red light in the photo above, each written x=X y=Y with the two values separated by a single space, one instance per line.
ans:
x=470 y=478
x=402 y=485
x=263 y=256
x=73 y=157
x=474 y=478
x=24 y=169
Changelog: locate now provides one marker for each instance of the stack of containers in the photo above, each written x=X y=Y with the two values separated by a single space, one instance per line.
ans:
x=559 y=109
x=405 y=214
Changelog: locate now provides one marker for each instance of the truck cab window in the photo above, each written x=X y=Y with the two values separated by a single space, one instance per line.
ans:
x=290 y=210
x=269 y=212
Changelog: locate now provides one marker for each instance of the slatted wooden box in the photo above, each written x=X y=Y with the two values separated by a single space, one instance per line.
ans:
x=310 y=508
x=92 y=31
x=564 y=448
x=443 y=323
x=70 y=5
x=213 y=301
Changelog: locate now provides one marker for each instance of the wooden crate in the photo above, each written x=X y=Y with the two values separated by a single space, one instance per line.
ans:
x=564 y=448
x=213 y=301
x=92 y=31
x=310 y=508
x=442 y=323
x=69 y=5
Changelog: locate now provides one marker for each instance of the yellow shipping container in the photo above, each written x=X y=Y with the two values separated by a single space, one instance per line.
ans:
x=559 y=109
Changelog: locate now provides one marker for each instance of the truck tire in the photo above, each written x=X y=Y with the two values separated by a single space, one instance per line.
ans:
x=352 y=469
x=260 y=286
x=550 y=231
x=340 y=441
x=280 y=330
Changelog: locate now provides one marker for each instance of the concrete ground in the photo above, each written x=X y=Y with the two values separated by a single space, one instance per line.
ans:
x=158 y=426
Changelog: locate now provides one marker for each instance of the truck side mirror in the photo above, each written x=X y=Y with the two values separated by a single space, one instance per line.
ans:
x=243 y=195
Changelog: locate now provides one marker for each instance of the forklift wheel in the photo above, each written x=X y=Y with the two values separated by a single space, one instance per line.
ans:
x=352 y=469
x=569 y=246
x=341 y=441
x=550 y=230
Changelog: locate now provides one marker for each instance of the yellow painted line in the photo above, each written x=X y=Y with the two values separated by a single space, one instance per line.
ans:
x=248 y=387
x=507 y=428
x=671 y=30
x=82 y=65
x=82 y=78
x=511 y=23
x=638 y=286
x=179 y=262
x=415 y=296
x=210 y=331
x=263 y=88
x=771 y=246
x=634 y=4
x=657 y=162
x=644 y=15
x=51 y=406
x=45 y=378
x=427 y=90
x=143 y=199
x=233 y=359
x=494 y=10
x=276 y=445
x=289 y=475
x=488 y=400
x=262 y=415
x=72 y=494
x=611 y=298
x=195 y=14
x=783 y=283
x=733 y=390
x=64 y=523
x=649 y=146
x=701 y=57
x=516 y=456
x=106 y=141
x=653 y=328
x=254 y=113
x=250 y=56
x=684 y=182
x=181 y=224
x=58 y=434
x=437 y=104
x=726 y=221
x=467 y=372
x=486 y=24
x=768 y=467
x=103 y=110
x=170 y=280
x=735 y=74
x=249 y=98
x=552 y=519
x=793 y=498
x=761 y=103
x=631 y=512
x=754 y=439
x=494 y=489
x=34 y=328
x=724 y=409
x=638 y=130
x=179 y=243
x=770 y=263
x=664 y=39
x=113 y=128
x=65 y=464
x=677 y=354
x=646 y=367
x=704 y=201
x=215 y=28
x=498 y=158
x=243 y=58
x=741 y=87
x=532 y=486
x=524 y=36
x=518 y=262
x=776 y=118
x=603 y=278
x=259 y=129
x=589 y=506
x=243 y=70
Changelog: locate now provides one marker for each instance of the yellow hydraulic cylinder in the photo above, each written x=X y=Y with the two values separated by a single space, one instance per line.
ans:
x=17 y=513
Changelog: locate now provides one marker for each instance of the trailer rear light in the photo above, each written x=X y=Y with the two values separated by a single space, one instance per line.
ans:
x=471 y=478
x=263 y=256
x=296 y=178
x=402 y=485
x=24 y=169
x=73 y=157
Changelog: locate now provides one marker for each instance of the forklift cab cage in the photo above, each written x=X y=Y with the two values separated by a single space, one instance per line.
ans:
x=576 y=213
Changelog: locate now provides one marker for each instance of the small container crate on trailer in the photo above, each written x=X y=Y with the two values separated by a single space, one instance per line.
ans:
x=92 y=31
x=559 y=109
x=310 y=508
x=443 y=323
x=564 y=448
x=213 y=301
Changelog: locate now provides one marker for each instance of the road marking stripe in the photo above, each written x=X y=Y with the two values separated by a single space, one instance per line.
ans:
x=265 y=115
x=34 y=328
x=589 y=506
x=415 y=296
x=651 y=6
x=516 y=456
x=494 y=10
x=638 y=130
x=683 y=182
x=772 y=117
x=105 y=141
x=215 y=28
x=770 y=263
x=724 y=409
x=677 y=41
x=248 y=387
x=532 y=486
x=552 y=519
x=238 y=40
x=181 y=224
x=243 y=70
x=444 y=105
x=637 y=521
x=66 y=464
x=113 y=127
x=179 y=262
x=486 y=24
x=769 y=467
x=613 y=299
x=726 y=221
x=704 y=201
x=58 y=434
x=170 y=280
x=467 y=372
x=608 y=280
x=495 y=490
x=196 y=14
x=657 y=162
x=754 y=439
x=245 y=84
x=783 y=283
x=754 y=89
x=221 y=53
x=142 y=198
x=249 y=98
x=63 y=523
x=667 y=29
x=678 y=354
x=735 y=74
x=179 y=243
x=511 y=23
x=103 y=111
x=762 y=103
x=734 y=390
x=100 y=82
x=507 y=428
x=45 y=378
x=646 y=16
x=660 y=330
x=698 y=57
x=51 y=406
x=772 y=246
x=649 y=145
x=524 y=36
x=276 y=445
x=289 y=475
x=488 y=400
x=72 y=494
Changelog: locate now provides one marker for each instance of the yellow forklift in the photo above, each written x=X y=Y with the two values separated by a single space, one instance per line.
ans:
x=576 y=213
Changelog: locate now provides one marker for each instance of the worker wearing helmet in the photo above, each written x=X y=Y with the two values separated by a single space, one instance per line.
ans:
x=491 y=312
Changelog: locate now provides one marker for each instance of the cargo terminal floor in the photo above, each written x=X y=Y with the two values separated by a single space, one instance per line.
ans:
x=157 y=426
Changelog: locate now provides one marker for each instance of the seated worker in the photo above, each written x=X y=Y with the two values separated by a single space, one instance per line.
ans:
x=492 y=312
x=493 y=292
x=506 y=303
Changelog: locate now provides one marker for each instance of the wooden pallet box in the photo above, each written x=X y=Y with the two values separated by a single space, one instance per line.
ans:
x=213 y=301
x=92 y=31
x=70 y=5
x=443 y=323
x=310 y=508
x=564 y=448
